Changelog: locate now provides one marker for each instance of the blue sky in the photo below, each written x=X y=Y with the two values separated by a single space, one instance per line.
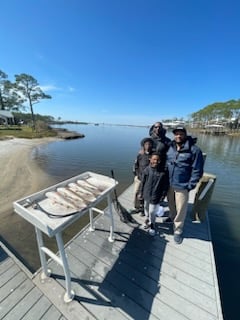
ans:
x=124 y=61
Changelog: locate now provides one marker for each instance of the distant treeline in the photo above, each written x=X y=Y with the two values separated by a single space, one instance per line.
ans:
x=26 y=118
x=221 y=111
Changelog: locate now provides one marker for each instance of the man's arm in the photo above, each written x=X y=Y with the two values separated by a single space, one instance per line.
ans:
x=197 y=169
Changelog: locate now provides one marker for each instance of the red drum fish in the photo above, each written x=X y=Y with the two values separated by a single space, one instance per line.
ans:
x=58 y=198
x=84 y=194
x=97 y=184
x=71 y=196
x=85 y=185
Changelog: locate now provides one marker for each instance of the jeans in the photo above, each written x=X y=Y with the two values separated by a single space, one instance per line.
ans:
x=150 y=211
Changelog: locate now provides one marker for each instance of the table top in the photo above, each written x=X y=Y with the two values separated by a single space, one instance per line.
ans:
x=53 y=209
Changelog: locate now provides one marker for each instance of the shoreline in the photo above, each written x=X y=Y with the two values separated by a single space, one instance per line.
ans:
x=20 y=176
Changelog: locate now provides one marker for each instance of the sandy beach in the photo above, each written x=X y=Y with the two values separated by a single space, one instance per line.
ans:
x=19 y=176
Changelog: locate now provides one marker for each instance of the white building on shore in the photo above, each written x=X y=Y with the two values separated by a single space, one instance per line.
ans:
x=6 y=117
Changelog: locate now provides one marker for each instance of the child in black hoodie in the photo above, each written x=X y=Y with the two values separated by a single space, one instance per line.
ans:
x=153 y=189
x=140 y=163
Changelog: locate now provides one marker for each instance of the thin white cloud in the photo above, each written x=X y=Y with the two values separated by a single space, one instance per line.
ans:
x=49 y=87
x=52 y=87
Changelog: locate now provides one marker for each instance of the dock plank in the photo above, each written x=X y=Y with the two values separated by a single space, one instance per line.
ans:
x=142 y=264
x=144 y=282
x=55 y=293
x=51 y=313
x=15 y=297
x=10 y=272
x=135 y=277
x=6 y=264
x=139 y=262
x=87 y=292
x=39 y=307
x=27 y=300
x=172 y=256
x=19 y=296
x=11 y=285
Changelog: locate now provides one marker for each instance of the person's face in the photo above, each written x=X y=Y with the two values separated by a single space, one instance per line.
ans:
x=157 y=128
x=147 y=146
x=154 y=160
x=179 y=136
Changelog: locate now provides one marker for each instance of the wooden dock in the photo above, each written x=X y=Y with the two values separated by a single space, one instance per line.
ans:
x=20 y=298
x=215 y=131
x=135 y=277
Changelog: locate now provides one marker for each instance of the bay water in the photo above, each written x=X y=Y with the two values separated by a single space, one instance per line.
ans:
x=108 y=147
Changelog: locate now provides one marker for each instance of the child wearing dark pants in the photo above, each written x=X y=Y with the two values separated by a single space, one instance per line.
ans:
x=140 y=163
x=153 y=189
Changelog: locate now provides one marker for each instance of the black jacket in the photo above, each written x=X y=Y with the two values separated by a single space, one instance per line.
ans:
x=160 y=143
x=154 y=184
x=141 y=162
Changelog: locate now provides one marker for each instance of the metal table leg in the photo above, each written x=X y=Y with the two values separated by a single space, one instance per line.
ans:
x=111 y=237
x=69 y=295
x=46 y=272
x=91 y=228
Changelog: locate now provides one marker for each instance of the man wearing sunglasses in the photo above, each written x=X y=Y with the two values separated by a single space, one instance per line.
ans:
x=160 y=141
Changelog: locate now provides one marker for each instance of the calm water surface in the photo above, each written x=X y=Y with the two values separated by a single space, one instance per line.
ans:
x=115 y=147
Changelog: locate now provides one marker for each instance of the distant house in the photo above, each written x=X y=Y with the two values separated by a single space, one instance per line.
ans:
x=173 y=124
x=6 y=117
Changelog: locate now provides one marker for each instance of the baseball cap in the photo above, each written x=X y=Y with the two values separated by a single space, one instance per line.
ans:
x=179 y=128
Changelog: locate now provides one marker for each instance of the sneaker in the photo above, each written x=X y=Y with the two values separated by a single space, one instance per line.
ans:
x=146 y=224
x=142 y=214
x=177 y=238
x=168 y=220
x=152 y=232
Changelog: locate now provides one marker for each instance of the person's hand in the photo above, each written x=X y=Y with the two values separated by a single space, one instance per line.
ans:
x=141 y=151
x=162 y=199
x=140 y=197
x=190 y=187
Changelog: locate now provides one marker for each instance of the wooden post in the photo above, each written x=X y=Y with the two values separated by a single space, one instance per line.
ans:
x=203 y=196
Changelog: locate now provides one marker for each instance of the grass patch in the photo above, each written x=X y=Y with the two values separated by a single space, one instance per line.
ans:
x=25 y=132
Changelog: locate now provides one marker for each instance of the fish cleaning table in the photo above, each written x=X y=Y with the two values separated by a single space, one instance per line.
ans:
x=53 y=209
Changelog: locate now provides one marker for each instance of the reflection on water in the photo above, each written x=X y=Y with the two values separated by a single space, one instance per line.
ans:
x=103 y=149
x=223 y=160
x=112 y=147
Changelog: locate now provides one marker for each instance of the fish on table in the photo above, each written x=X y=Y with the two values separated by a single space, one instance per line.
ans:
x=56 y=197
x=78 y=195
x=85 y=194
x=85 y=185
x=72 y=196
x=96 y=183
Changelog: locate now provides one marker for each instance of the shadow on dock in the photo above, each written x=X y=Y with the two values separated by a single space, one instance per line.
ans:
x=136 y=276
